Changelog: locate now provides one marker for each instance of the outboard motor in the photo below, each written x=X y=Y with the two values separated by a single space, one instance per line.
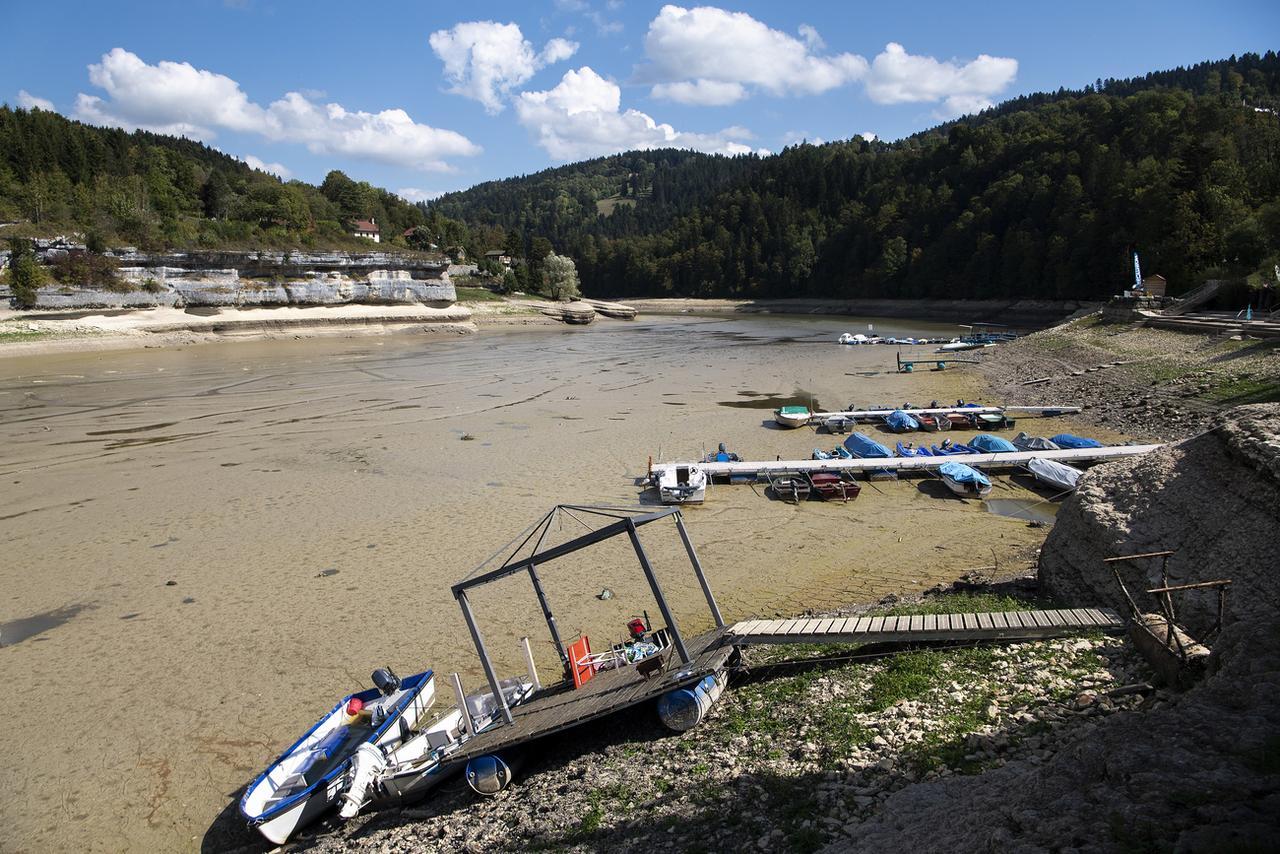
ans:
x=386 y=681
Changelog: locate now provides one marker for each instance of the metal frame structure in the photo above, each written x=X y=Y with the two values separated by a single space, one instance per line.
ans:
x=627 y=521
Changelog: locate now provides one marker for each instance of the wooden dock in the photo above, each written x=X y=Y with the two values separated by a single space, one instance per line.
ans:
x=1013 y=459
x=560 y=707
x=996 y=625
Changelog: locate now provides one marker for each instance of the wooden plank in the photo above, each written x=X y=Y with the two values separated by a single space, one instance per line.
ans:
x=803 y=627
x=825 y=627
x=863 y=626
x=745 y=627
x=1041 y=619
x=786 y=627
x=930 y=622
x=984 y=620
x=917 y=623
x=846 y=626
x=771 y=628
x=1072 y=618
x=970 y=621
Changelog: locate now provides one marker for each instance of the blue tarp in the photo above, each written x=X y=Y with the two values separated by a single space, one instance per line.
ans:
x=921 y=451
x=862 y=445
x=988 y=444
x=1066 y=440
x=961 y=473
x=901 y=422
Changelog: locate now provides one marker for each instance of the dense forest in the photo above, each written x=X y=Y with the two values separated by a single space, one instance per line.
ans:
x=1043 y=196
x=158 y=191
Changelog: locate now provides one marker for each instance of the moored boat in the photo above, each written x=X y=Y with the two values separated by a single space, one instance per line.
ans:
x=791 y=416
x=791 y=487
x=934 y=423
x=910 y=450
x=837 y=423
x=1025 y=442
x=964 y=480
x=988 y=444
x=308 y=777
x=992 y=421
x=862 y=446
x=832 y=486
x=949 y=448
x=682 y=484
x=1055 y=474
x=900 y=422
x=1066 y=440
x=960 y=420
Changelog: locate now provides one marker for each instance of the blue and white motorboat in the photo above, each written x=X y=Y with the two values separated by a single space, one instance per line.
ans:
x=308 y=777
x=949 y=448
x=964 y=480
x=909 y=450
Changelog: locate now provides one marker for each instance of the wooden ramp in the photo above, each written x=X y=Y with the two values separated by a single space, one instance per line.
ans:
x=1005 y=625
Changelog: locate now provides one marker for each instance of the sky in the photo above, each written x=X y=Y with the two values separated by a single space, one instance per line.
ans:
x=424 y=98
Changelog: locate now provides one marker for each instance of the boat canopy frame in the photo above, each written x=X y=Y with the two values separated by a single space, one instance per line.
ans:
x=626 y=521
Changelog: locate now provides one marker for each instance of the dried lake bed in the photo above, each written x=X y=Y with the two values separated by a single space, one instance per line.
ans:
x=206 y=546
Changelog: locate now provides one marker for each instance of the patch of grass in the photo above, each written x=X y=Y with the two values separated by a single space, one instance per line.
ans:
x=9 y=336
x=477 y=295
x=961 y=603
x=1242 y=391
x=908 y=676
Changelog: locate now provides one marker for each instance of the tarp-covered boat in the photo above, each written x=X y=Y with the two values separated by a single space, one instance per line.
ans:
x=1025 y=442
x=863 y=446
x=991 y=444
x=308 y=777
x=1066 y=440
x=1055 y=474
x=964 y=480
x=900 y=422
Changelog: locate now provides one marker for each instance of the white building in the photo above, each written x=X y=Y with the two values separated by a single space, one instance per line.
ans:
x=368 y=229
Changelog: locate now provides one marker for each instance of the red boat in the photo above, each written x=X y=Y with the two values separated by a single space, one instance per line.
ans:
x=960 y=420
x=830 y=485
x=934 y=423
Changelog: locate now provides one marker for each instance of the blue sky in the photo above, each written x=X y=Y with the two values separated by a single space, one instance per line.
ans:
x=428 y=97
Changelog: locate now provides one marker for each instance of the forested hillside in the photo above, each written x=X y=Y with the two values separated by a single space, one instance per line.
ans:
x=1044 y=196
x=159 y=191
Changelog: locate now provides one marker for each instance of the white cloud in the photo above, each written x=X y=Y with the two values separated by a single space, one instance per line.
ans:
x=485 y=60
x=414 y=194
x=701 y=48
x=27 y=101
x=277 y=169
x=799 y=137
x=702 y=93
x=176 y=98
x=868 y=135
x=898 y=77
x=582 y=117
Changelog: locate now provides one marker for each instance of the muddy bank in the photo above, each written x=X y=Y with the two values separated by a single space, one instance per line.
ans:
x=1028 y=313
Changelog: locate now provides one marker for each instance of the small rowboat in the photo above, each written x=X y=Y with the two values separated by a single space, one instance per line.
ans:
x=992 y=421
x=960 y=420
x=790 y=487
x=308 y=777
x=964 y=480
x=791 y=417
x=837 y=423
x=949 y=449
x=934 y=423
x=910 y=450
x=830 y=485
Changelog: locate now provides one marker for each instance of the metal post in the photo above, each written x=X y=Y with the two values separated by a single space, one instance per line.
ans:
x=461 y=596
x=528 y=661
x=550 y=618
x=657 y=593
x=697 y=570
x=468 y=726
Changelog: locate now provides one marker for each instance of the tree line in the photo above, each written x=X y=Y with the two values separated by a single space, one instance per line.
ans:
x=1045 y=196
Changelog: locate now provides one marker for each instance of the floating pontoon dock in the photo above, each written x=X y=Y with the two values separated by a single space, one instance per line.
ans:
x=870 y=414
x=1013 y=459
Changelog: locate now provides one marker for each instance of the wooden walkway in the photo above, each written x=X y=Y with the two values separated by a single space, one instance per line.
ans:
x=560 y=707
x=1006 y=625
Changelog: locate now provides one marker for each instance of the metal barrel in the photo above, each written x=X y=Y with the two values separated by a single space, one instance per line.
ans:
x=488 y=775
x=684 y=708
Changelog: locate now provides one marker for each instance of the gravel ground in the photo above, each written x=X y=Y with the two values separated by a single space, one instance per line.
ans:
x=1152 y=384
x=795 y=755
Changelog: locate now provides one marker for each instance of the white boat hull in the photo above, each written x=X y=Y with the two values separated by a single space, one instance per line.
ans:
x=791 y=421
x=682 y=485
x=966 y=490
